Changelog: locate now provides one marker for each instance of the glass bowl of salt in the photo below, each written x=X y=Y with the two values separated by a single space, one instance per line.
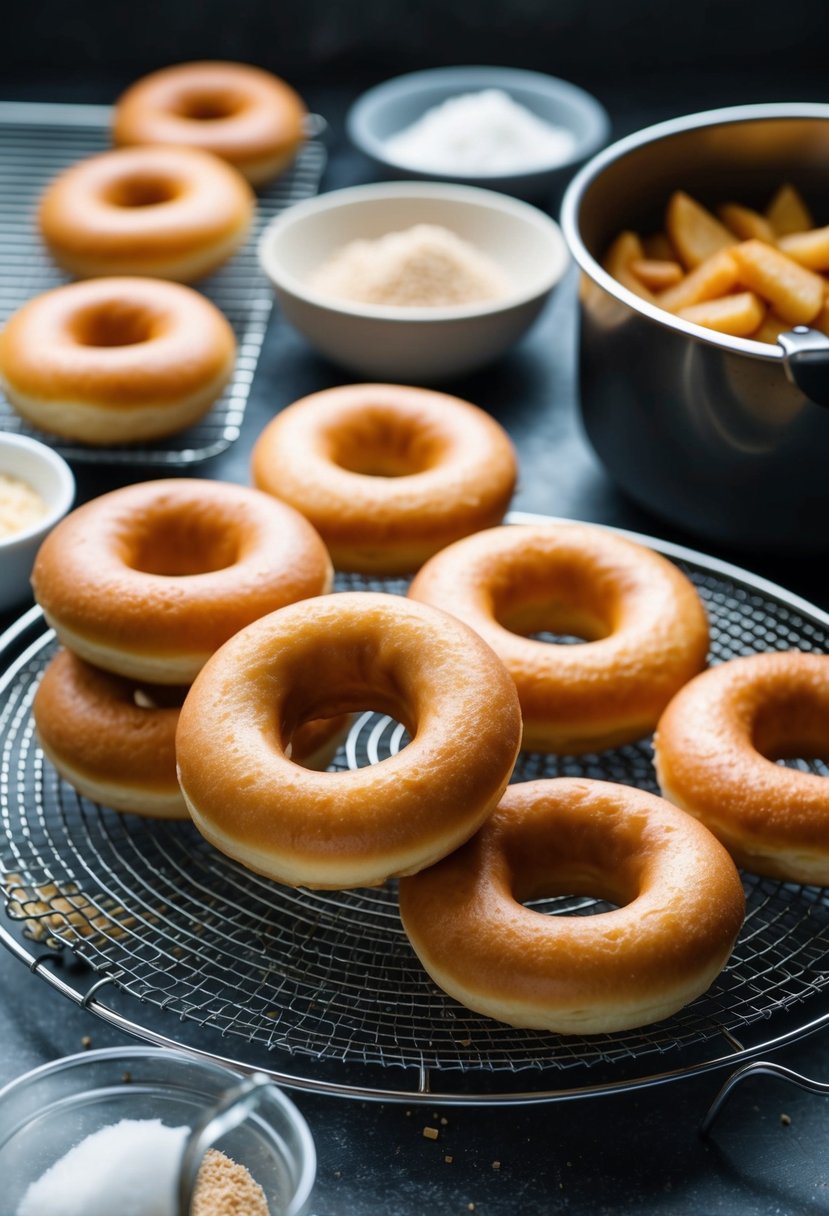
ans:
x=145 y=1131
x=521 y=132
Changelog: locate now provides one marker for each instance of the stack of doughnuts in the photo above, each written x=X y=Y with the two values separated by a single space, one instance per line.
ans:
x=126 y=359
x=141 y=586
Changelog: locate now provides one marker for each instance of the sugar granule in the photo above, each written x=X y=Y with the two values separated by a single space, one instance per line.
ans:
x=424 y=266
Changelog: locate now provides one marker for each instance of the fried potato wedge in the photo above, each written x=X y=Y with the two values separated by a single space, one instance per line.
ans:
x=694 y=232
x=793 y=291
x=787 y=212
x=716 y=276
x=657 y=274
x=626 y=249
x=739 y=315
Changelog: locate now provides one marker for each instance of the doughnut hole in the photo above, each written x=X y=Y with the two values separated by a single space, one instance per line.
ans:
x=114 y=323
x=791 y=727
x=181 y=543
x=573 y=870
x=569 y=605
x=379 y=444
x=355 y=683
x=204 y=105
x=142 y=190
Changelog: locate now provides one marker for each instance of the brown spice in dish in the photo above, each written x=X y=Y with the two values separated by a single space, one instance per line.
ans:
x=226 y=1188
x=424 y=266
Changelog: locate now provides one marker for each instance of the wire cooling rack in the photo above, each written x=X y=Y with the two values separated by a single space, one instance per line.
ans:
x=315 y=987
x=38 y=141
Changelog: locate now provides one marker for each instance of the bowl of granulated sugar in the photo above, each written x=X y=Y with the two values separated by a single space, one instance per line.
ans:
x=520 y=132
x=413 y=281
x=133 y=1132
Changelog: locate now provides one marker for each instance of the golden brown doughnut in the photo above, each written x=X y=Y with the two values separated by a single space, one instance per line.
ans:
x=680 y=907
x=147 y=581
x=386 y=473
x=241 y=113
x=715 y=751
x=646 y=629
x=171 y=213
x=331 y=655
x=118 y=360
x=114 y=741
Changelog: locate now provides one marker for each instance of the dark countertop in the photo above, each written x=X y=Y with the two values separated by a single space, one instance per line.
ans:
x=636 y=1151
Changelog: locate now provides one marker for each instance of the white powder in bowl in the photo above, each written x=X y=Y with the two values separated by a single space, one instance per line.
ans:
x=480 y=133
x=424 y=266
x=126 y=1169
x=131 y=1168
x=20 y=505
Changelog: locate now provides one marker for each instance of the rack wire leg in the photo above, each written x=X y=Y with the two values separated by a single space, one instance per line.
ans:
x=758 y=1068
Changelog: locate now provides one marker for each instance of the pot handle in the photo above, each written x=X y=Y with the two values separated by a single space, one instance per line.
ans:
x=806 y=360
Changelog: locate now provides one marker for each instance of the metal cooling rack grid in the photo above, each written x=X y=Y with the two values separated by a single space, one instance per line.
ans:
x=38 y=141
x=329 y=976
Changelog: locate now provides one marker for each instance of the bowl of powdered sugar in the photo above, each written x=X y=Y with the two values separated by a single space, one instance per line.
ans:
x=508 y=129
x=134 y=1132
x=413 y=281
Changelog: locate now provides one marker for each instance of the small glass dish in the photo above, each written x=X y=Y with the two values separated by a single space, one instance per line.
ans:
x=49 y=1110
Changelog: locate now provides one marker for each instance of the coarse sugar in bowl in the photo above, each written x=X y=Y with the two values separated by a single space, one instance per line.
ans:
x=112 y=1128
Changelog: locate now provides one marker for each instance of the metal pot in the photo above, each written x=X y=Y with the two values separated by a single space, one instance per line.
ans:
x=726 y=437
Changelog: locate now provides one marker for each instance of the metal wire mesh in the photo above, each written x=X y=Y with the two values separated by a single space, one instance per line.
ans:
x=36 y=143
x=330 y=975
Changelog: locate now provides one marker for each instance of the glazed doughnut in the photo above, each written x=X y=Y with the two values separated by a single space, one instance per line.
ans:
x=646 y=629
x=171 y=213
x=680 y=907
x=387 y=474
x=147 y=581
x=118 y=360
x=241 y=113
x=331 y=655
x=715 y=748
x=114 y=741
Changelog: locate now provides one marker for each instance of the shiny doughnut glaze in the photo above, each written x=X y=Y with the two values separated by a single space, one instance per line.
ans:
x=330 y=655
x=246 y=115
x=679 y=908
x=116 y=360
x=645 y=628
x=715 y=750
x=149 y=580
x=388 y=474
x=114 y=741
x=171 y=213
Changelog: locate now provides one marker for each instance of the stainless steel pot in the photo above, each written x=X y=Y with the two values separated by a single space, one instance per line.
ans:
x=724 y=436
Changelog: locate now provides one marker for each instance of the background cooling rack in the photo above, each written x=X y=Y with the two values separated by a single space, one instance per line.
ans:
x=321 y=989
x=39 y=140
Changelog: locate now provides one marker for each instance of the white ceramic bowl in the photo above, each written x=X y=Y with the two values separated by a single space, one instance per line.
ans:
x=396 y=104
x=48 y=474
x=415 y=345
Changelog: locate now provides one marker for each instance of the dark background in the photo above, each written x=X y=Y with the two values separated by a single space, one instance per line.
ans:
x=645 y=61
x=643 y=48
